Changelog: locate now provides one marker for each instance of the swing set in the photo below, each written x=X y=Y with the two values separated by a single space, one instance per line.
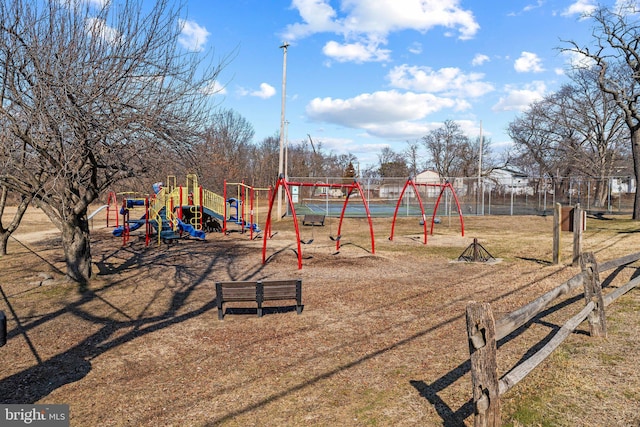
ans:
x=286 y=185
x=414 y=185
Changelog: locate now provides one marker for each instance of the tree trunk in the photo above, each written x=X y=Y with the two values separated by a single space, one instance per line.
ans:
x=635 y=149
x=601 y=190
x=5 y=233
x=4 y=239
x=76 y=244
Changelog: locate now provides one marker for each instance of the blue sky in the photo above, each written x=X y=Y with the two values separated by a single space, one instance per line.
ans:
x=365 y=74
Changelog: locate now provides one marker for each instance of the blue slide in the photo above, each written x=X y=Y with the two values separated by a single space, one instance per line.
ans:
x=132 y=227
x=192 y=231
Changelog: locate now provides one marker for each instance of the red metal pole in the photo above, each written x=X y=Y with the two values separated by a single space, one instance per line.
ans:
x=458 y=204
x=281 y=181
x=251 y=196
x=366 y=208
x=344 y=208
x=424 y=217
x=395 y=213
x=125 y=222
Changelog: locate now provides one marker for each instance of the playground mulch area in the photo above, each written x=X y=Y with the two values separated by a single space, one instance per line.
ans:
x=381 y=340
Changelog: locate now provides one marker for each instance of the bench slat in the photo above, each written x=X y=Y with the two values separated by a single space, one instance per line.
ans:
x=237 y=291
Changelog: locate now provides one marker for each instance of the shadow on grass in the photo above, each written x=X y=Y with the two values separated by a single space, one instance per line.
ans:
x=455 y=417
x=74 y=363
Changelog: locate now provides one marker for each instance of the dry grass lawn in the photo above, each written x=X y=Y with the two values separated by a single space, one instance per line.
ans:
x=381 y=340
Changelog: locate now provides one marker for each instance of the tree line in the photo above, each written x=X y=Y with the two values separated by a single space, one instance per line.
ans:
x=101 y=98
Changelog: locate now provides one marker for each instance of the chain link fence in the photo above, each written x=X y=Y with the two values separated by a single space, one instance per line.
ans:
x=506 y=195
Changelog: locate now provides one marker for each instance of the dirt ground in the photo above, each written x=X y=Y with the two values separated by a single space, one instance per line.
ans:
x=381 y=340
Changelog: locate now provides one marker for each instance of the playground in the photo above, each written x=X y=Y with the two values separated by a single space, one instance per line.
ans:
x=381 y=339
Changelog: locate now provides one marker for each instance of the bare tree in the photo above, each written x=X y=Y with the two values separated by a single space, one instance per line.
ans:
x=345 y=163
x=412 y=154
x=616 y=59
x=263 y=161
x=91 y=93
x=601 y=127
x=448 y=148
x=21 y=208
x=575 y=131
x=392 y=164
x=9 y=162
x=224 y=152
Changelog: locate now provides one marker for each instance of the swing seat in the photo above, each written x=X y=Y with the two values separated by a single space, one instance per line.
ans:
x=313 y=219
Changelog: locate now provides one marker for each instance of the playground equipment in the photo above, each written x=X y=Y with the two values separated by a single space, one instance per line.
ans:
x=354 y=186
x=172 y=212
x=414 y=185
x=243 y=204
x=112 y=208
x=475 y=252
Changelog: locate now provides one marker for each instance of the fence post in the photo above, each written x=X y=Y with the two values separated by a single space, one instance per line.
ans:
x=481 y=332
x=593 y=292
x=557 y=217
x=577 y=233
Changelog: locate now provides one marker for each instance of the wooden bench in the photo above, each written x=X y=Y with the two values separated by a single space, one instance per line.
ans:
x=258 y=291
x=313 y=219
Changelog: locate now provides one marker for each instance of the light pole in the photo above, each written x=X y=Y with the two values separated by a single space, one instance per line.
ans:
x=284 y=47
x=479 y=192
x=286 y=150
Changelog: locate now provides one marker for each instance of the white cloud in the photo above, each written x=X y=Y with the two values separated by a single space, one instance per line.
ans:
x=380 y=17
x=415 y=48
x=377 y=107
x=373 y=21
x=318 y=17
x=531 y=7
x=193 y=36
x=266 y=91
x=578 y=60
x=386 y=114
x=98 y=28
x=580 y=8
x=479 y=59
x=520 y=99
x=528 y=63
x=355 y=52
x=449 y=81
x=215 y=88
x=402 y=130
x=75 y=4
x=337 y=145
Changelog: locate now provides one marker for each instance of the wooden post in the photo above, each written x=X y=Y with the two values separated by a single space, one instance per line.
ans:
x=577 y=234
x=557 y=217
x=481 y=332
x=593 y=292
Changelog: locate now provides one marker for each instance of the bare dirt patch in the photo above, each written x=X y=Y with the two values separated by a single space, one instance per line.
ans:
x=381 y=340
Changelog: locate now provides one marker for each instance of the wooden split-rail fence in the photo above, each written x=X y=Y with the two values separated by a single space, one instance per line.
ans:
x=484 y=332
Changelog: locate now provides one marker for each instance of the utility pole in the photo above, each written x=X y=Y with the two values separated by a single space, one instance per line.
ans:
x=284 y=47
x=286 y=150
x=480 y=198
